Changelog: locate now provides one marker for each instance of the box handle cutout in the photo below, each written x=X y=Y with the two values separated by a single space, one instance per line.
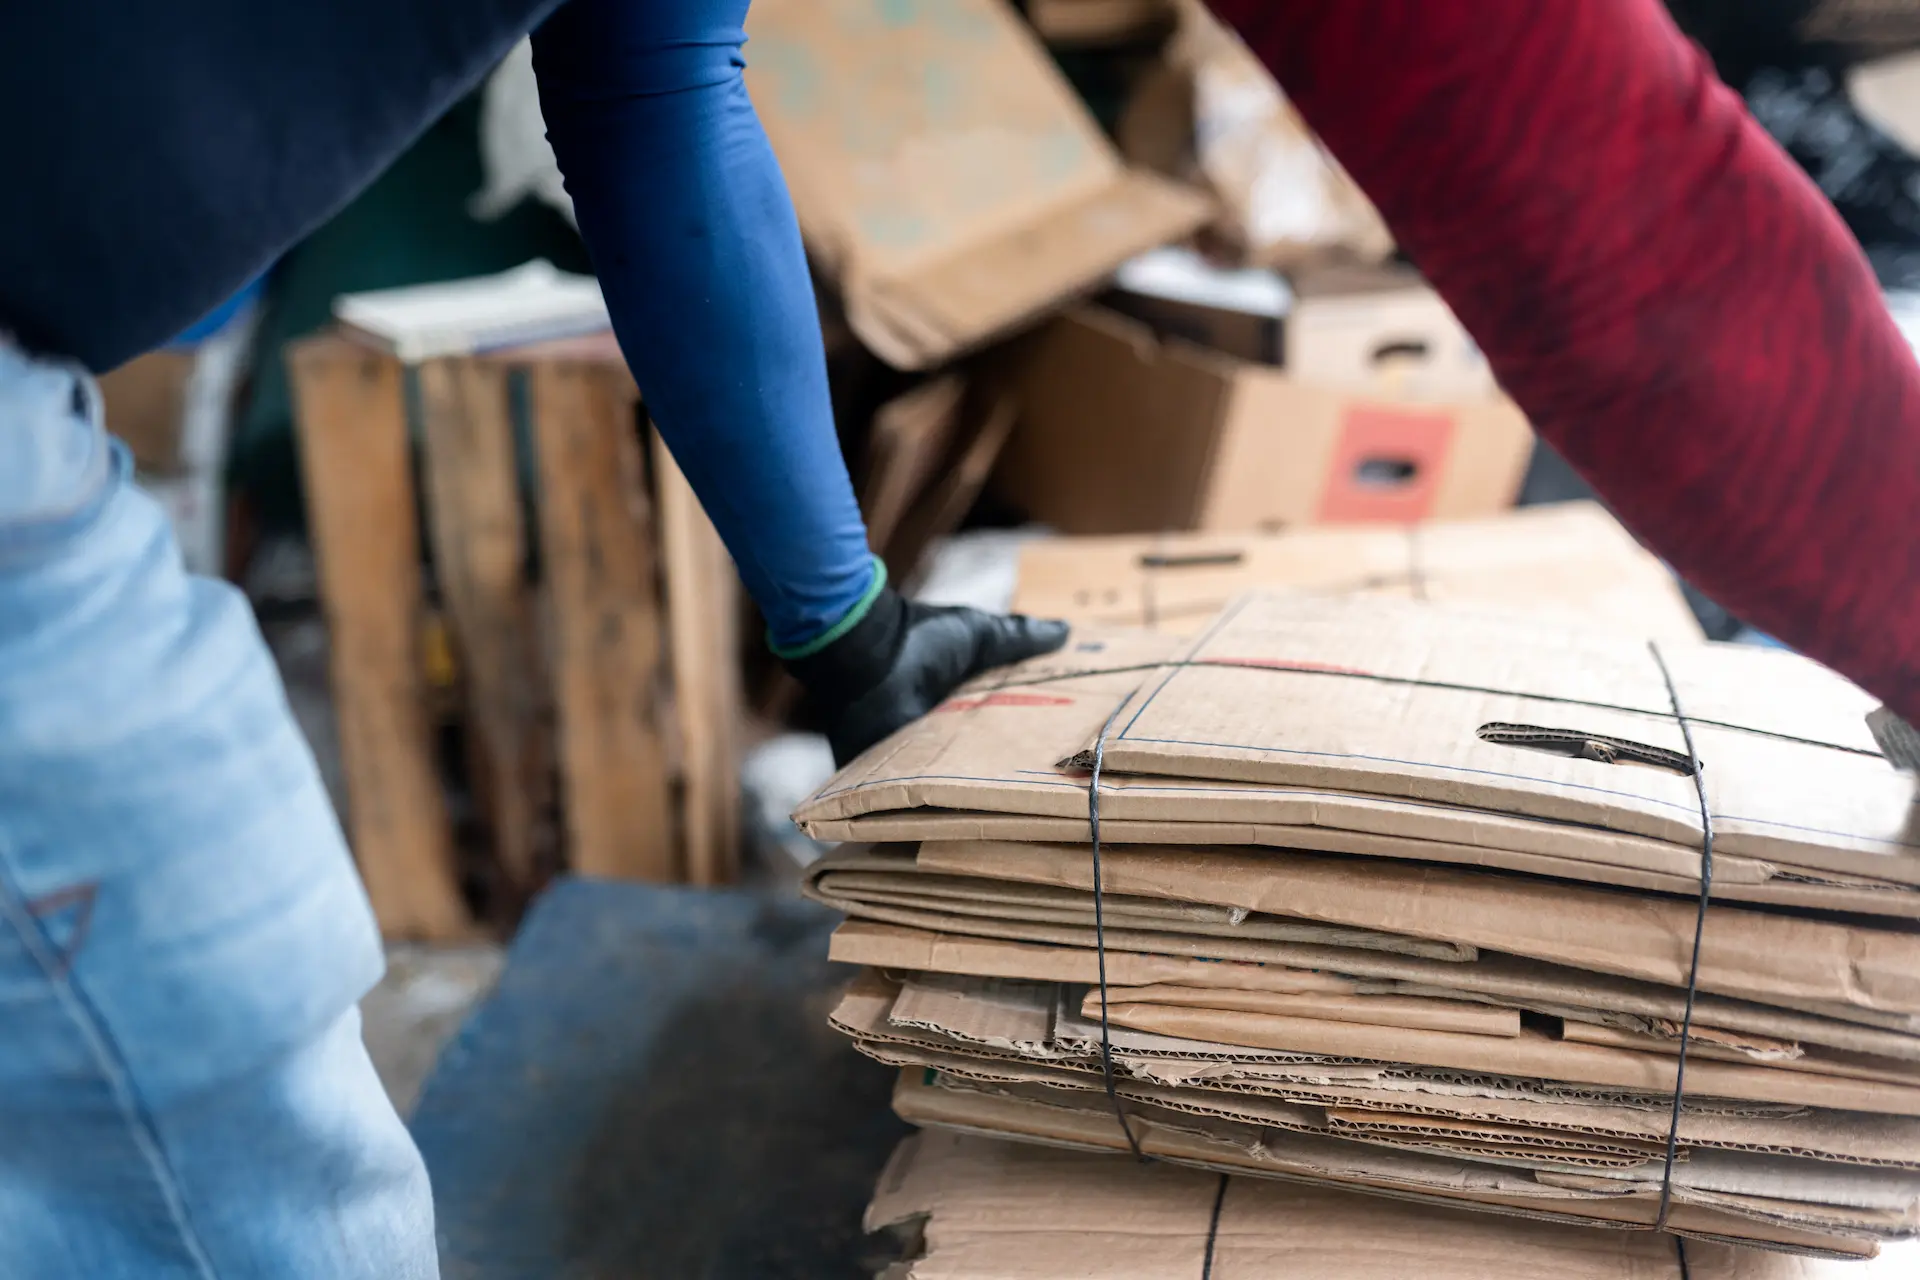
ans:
x=1385 y=473
x=1192 y=560
x=1401 y=349
x=1586 y=746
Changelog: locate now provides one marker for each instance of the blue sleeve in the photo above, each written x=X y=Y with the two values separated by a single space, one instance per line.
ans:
x=688 y=222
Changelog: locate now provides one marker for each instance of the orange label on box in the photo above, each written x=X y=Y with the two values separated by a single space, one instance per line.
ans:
x=1386 y=464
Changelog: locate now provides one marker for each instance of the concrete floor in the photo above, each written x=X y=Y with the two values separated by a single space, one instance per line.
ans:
x=426 y=995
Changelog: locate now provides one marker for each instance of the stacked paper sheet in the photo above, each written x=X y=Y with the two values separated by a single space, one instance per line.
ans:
x=1405 y=899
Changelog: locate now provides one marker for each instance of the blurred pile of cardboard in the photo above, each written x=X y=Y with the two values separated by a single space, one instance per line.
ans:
x=1403 y=897
x=1185 y=320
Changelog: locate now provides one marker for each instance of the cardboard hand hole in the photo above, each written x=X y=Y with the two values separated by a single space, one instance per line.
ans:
x=1574 y=744
x=1385 y=473
x=1194 y=560
x=1401 y=349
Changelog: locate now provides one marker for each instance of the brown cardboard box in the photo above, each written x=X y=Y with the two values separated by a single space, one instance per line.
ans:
x=1568 y=561
x=1178 y=294
x=146 y=406
x=946 y=177
x=988 y=1210
x=930 y=453
x=1123 y=433
x=1094 y=22
x=1373 y=326
x=1213 y=113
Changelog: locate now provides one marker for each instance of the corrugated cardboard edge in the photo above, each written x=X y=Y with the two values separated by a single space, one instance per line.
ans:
x=986 y=290
x=1839 y=1137
x=1748 y=955
x=1092 y=1127
x=1769 y=884
x=1067 y=1212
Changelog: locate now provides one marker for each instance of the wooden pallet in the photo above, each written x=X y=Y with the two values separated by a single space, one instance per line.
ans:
x=602 y=686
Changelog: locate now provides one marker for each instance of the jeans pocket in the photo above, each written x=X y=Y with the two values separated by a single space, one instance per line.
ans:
x=57 y=463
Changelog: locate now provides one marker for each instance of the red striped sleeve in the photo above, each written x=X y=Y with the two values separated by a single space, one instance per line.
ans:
x=1675 y=306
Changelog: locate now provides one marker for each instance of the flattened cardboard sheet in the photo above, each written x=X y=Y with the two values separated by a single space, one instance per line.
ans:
x=1544 y=988
x=1747 y=954
x=996 y=1209
x=985 y=764
x=1390 y=698
x=1069 y=1120
x=1568 y=562
x=1367 y=1101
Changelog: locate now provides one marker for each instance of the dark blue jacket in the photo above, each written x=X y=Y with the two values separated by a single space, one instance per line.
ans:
x=160 y=155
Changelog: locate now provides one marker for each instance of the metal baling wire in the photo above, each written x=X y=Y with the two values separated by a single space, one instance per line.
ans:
x=1106 y=1033
x=1213 y=1229
x=1693 y=970
x=1100 y=931
x=1410 y=682
x=1106 y=1027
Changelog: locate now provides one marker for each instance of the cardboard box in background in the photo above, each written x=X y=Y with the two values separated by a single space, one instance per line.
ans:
x=146 y=406
x=1099 y=22
x=1570 y=561
x=930 y=452
x=1367 y=326
x=174 y=408
x=1123 y=433
x=1341 y=324
x=1212 y=113
x=1178 y=294
x=945 y=175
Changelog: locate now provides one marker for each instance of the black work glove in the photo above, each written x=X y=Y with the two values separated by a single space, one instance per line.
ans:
x=898 y=663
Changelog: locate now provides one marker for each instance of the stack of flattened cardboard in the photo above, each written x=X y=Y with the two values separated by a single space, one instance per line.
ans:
x=977 y=1210
x=1571 y=561
x=1404 y=898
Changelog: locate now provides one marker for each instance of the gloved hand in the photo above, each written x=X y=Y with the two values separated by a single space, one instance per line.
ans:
x=900 y=660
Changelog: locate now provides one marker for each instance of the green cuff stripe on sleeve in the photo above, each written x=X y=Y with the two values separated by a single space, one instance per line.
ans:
x=848 y=622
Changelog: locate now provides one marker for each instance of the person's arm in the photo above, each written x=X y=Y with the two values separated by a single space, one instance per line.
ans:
x=1674 y=305
x=694 y=239
x=687 y=220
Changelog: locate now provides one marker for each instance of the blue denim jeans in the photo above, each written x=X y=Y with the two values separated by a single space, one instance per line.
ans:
x=183 y=939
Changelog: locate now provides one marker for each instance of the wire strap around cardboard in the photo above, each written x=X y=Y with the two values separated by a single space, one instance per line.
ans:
x=1696 y=769
x=1693 y=967
x=1106 y=1026
x=1213 y=1228
x=1100 y=934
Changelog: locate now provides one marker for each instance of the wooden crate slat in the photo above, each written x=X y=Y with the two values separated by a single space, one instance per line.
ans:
x=598 y=554
x=479 y=552
x=359 y=487
x=702 y=613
